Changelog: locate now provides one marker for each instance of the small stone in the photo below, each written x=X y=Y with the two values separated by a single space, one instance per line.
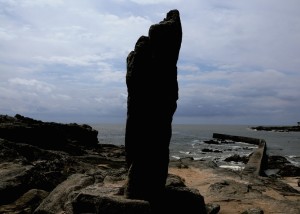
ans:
x=253 y=211
x=212 y=208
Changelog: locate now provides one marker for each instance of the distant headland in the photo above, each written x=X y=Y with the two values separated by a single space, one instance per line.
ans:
x=278 y=128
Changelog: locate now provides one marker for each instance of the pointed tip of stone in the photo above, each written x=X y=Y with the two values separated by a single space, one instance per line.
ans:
x=173 y=13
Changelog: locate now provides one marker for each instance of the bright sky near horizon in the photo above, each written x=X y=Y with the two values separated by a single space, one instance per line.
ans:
x=65 y=60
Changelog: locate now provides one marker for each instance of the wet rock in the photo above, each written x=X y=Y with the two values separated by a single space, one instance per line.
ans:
x=211 y=142
x=212 y=150
x=283 y=166
x=237 y=158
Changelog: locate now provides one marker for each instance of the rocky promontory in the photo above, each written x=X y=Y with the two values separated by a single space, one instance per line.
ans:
x=51 y=168
x=277 y=128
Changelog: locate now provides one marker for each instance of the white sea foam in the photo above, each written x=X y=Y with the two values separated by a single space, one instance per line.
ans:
x=291 y=159
x=236 y=147
x=185 y=153
x=197 y=143
x=234 y=168
x=175 y=157
x=293 y=156
x=198 y=158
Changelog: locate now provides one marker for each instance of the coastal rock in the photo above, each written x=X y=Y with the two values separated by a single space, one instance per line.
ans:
x=60 y=198
x=212 y=208
x=152 y=87
x=237 y=158
x=174 y=181
x=108 y=198
x=277 y=128
x=24 y=167
x=91 y=203
x=180 y=200
x=47 y=135
x=283 y=167
x=35 y=179
x=27 y=203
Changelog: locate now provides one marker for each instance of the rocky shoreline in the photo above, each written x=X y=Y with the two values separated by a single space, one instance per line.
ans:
x=277 y=128
x=62 y=168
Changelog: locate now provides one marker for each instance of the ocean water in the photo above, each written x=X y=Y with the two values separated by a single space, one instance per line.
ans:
x=188 y=141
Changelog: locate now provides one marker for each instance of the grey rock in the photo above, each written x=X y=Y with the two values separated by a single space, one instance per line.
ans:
x=253 y=211
x=60 y=198
x=27 y=203
x=212 y=208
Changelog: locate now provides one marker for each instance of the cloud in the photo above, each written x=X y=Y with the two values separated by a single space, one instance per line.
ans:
x=63 y=57
x=263 y=93
x=36 y=85
x=251 y=34
x=147 y=2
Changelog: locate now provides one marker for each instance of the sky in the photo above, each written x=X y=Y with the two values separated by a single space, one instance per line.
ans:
x=65 y=60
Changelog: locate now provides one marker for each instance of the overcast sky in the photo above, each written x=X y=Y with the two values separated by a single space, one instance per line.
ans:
x=65 y=60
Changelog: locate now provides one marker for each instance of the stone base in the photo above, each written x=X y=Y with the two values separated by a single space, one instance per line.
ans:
x=89 y=203
x=175 y=200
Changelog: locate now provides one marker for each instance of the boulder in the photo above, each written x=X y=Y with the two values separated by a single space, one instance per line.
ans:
x=27 y=203
x=60 y=199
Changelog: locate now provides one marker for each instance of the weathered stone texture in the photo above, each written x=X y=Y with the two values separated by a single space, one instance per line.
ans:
x=152 y=94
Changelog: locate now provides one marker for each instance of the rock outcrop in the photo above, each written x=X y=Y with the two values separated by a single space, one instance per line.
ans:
x=38 y=180
x=152 y=94
x=47 y=135
x=38 y=176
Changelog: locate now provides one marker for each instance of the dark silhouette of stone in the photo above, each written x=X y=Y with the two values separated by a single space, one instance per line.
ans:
x=152 y=94
x=48 y=135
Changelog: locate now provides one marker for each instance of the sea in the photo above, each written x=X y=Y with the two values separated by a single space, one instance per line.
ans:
x=189 y=141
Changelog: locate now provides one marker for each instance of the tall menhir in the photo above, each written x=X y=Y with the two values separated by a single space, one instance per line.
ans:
x=152 y=95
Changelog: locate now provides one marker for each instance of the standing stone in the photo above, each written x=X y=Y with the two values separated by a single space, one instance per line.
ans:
x=152 y=94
